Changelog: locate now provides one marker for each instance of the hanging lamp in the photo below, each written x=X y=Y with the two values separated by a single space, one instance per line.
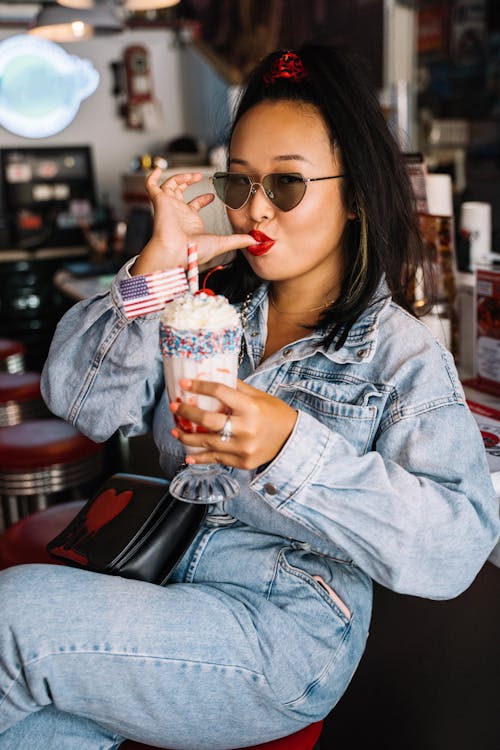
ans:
x=130 y=5
x=140 y=5
x=71 y=24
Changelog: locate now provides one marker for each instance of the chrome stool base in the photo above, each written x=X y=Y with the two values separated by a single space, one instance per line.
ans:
x=42 y=462
x=14 y=412
x=11 y=355
x=13 y=364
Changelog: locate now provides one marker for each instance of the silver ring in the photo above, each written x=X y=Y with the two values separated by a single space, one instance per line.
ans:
x=227 y=431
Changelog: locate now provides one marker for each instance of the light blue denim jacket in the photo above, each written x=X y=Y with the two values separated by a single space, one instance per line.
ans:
x=384 y=472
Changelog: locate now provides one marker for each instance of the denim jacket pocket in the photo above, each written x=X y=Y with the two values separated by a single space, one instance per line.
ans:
x=356 y=422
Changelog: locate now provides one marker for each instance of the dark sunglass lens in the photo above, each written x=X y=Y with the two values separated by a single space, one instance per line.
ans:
x=285 y=190
x=232 y=189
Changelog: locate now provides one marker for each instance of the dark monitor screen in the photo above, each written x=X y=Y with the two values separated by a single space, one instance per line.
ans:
x=45 y=193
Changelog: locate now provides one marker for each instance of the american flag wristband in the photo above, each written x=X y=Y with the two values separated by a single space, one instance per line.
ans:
x=150 y=292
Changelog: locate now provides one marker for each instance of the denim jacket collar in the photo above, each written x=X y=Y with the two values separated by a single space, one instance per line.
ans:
x=359 y=346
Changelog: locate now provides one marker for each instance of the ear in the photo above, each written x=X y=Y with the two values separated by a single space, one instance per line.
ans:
x=352 y=204
x=353 y=211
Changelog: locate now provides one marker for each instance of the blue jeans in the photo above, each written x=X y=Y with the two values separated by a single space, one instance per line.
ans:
x=88 y=659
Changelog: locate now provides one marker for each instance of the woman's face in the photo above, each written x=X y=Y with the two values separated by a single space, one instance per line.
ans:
x=286 y=137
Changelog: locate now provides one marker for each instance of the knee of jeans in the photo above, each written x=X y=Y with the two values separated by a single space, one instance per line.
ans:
x=22 y=583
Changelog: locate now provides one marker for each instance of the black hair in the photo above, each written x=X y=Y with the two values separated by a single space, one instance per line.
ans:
x=384 y=238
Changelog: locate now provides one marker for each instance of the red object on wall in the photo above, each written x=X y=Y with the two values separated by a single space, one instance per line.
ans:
x=139 y=83
x=433 y=29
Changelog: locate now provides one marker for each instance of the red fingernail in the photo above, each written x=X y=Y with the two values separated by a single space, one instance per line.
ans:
x=186 y=384
x=174 y=407
x=190 y=460
x=175 y=433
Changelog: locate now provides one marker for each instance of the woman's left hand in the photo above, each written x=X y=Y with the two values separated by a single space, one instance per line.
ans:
x=260 y=424
x=178 y=223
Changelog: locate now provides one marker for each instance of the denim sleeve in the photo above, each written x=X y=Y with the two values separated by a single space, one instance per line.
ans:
x=103 y=371
x=418 y=514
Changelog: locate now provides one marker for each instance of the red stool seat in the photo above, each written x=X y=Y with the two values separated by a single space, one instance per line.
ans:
x=25 y=541
x=39 y=443
x=12 y=355
x=305 y=739
x=19 y=386
x=20 y=398
x=40 y=459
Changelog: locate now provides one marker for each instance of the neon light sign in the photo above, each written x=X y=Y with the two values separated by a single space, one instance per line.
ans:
x=41 y=86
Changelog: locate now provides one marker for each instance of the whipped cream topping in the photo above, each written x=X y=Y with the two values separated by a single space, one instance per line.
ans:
x=194 y=311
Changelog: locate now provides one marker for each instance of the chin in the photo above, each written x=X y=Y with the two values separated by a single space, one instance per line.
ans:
x=256 y=262
x=264 y=268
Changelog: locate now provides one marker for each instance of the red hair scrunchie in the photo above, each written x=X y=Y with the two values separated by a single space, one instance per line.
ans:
x=288 y=66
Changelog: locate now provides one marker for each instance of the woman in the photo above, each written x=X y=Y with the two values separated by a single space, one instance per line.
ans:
x=341 y=440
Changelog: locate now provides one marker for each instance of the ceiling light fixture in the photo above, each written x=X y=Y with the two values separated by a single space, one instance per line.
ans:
x=80 y=4
x=139 y=5
x=57 y=26
x=130 y=5
x=65 y=24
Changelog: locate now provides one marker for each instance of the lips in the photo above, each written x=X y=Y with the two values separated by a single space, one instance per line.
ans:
x=265 y=243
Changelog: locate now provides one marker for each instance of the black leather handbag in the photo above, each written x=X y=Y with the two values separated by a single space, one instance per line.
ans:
x=131 y=527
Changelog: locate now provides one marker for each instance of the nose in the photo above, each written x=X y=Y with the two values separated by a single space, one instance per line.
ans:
x=259 y=205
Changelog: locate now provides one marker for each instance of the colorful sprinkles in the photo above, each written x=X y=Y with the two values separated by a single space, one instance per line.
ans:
x=200 y=344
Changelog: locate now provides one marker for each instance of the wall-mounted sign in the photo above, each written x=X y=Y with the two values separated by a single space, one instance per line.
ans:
x=41 y=86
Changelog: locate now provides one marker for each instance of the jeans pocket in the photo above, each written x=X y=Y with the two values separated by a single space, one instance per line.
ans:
x=334 y=596
x=312 y=571
x=313 y=663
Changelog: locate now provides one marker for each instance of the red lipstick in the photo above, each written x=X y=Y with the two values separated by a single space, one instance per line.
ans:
x=265 y=243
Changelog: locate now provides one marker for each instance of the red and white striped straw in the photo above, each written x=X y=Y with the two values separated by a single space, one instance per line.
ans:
x=192 y=268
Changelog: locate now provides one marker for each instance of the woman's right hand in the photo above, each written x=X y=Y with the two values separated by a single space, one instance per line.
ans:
x=261 y=425
x=177 y=223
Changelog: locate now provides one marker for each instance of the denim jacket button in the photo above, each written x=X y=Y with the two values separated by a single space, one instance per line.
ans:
x=287 y=352
x=362 y=353
x=254 y=334
x=270 y=489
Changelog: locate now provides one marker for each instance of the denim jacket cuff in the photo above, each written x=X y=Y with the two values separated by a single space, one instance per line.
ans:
x=296 y=464
x=116 y=298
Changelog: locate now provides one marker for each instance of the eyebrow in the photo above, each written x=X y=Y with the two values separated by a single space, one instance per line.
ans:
x=279 y=157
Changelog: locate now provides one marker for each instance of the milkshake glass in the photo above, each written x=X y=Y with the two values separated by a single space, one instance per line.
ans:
x=200 y=337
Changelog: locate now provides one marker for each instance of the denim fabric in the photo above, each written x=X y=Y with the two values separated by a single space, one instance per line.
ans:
x=384 y=477
x=216 y=659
